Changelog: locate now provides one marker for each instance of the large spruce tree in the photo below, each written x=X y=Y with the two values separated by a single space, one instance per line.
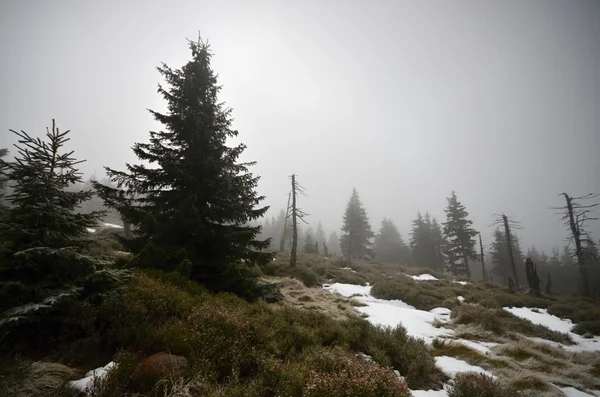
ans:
x=356 y=230
x=389 y=245
x=192 y=207
x=41 y=262
x=333 y=244
x=459 y=235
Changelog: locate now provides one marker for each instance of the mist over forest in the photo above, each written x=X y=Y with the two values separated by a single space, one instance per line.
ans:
x=182 y=172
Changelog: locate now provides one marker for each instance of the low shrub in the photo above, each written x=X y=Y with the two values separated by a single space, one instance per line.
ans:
x=308 y=277
x=587 y=327
x=480 y=385
x=502 y=322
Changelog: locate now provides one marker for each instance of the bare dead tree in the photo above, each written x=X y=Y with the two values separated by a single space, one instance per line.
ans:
x=482 y=260
x=297 y=214
x=285 y=223
x=509 y=224
x=532 y=277
x=575 y=214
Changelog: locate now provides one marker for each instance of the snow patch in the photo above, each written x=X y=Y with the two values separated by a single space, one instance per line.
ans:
x=112 y=225
x=429 y=393
x=85 y=384
x=542 y=317
x=418 y=323
x=573 y=392
x=90 y=230
x=424 y=277
x=461 y=299
x=460 y=282
x=481 y=347
x=349 y=269
x=451 y=366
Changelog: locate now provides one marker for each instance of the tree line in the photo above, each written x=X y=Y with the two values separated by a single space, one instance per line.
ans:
x=452 y=246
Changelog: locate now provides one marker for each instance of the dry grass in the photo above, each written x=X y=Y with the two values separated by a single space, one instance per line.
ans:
x=36 y=379
x=297 y=295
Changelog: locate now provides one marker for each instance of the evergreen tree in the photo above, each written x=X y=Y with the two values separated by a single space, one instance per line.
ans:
x=333 y=244
x=356 y=230
x=439 y=246
x=389 y=246
x=422 y=241
x=309 y=242
x=555 y=258
x=41 y=262
x=3 y=152
x=320 y=234
x=460 y=237
x=192 y=208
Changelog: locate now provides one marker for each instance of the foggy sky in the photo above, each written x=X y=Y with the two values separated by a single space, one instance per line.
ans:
x=404 y=100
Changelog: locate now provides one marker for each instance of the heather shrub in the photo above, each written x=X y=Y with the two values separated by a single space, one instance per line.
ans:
x=502 y=322
x=480 y=385
x=308 y=277
x=587 y=327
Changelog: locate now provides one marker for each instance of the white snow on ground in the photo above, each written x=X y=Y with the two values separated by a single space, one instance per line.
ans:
x=451 y=366
x=418 y=323
x=84 y=383
x=424 y=277
x=349 y=269
x=460 y=282
x=461 y=299
x=481 y=347
x=90 y=230
x=112 y=225
x=541 y=317
x=429 y=393
x=573 y=392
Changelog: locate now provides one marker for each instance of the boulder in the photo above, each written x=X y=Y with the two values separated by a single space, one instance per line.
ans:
x=164 y=363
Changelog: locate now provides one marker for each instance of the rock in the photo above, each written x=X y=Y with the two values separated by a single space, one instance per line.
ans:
x=165 y=363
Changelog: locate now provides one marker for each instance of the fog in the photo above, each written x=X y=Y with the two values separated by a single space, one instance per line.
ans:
x=404 y=100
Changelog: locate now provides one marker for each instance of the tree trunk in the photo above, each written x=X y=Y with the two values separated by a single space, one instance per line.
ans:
x=283 y=235
x=532 y=277
x=585 y=286
x=510 y=251
x=294 y=224
x=484 y=275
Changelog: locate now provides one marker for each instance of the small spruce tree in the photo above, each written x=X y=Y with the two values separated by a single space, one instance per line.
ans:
x=460 y=237
x=389 y=246
x=41 y=262
x=356 y=230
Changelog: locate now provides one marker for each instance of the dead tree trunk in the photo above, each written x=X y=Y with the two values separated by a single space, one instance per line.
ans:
x=576 y=233
x=510 y=251
x=532 y=277
x=283 y=234
x=297 y=214
x=294 y=224
x=484 y=275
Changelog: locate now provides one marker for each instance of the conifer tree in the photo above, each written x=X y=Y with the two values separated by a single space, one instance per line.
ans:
x=421 y=241
x=309 y=242
x=389 y=246
x=460 y=237
x=41 y=261
x=320 y=234
x=356 y=230
x=192 y=208
x=333 y=244
x=501 y=265
x=439 y=246
x=3 y=152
